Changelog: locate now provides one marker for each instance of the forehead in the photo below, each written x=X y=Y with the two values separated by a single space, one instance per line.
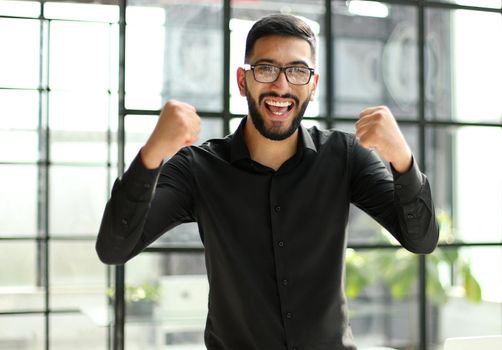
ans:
x=282 y=50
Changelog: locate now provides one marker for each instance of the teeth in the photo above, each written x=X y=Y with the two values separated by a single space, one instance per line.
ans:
x=278 y=103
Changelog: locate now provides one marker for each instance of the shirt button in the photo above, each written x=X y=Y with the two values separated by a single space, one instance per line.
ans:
x=146 y=186
x=124 y=221
x=410 y=216
x=289 y=315
x=277 y=208
x=285 y=282
x=281 y=244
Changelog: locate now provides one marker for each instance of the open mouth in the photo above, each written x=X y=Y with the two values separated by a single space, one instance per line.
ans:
x=277 y=107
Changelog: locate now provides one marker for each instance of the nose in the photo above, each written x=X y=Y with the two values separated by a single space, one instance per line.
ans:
x=281 y=82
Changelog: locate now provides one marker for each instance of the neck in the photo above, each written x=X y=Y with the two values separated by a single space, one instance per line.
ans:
x=268 y=152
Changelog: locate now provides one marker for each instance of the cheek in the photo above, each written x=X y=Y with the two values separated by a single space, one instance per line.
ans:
x=252 y=91
x=306 y=96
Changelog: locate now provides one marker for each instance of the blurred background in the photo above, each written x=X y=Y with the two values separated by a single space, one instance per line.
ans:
x=81 y=86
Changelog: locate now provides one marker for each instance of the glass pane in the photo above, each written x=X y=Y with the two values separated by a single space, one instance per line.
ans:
x=375 y=59
x=86 y=12
x=468 y=202
x=18 y=207
x=463 y=73
x=18 y=109
x=90 y=116
x=74 y=331
x=471 y=201
x=245 y=14
x=77 y=277
x=22 y=332
x=166 y=298
x=19 y=61
x=139 y=127
x=185 y=233
x=24 y=142
x=20 y=8
x=145 y=62
x=78 y=146
x=383 y=298
x=80 y=56
x=478 y=3
x=468 y=293
x=77 y=197
x=137 y=130
x=234 y=124
x=79 y=134
x=168 y=65
x=20 y=287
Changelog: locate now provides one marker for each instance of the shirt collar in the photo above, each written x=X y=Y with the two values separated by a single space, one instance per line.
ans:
x=239 y=149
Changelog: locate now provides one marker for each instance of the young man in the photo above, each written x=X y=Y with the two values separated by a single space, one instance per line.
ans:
x=271 y=200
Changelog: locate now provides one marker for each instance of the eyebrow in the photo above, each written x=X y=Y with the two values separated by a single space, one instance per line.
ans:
x=292 y=63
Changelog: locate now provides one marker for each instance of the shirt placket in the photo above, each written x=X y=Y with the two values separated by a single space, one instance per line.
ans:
x=281 y=242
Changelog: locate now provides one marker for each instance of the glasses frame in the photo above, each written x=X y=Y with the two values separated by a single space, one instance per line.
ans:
x=251 y=67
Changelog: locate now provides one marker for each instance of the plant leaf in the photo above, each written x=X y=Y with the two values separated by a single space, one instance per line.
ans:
x=471 y=285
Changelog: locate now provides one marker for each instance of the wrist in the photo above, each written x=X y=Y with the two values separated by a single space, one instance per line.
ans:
x=403 y=163
x=150 y=157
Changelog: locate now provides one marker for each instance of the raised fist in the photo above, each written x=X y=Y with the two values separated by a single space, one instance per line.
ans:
x=178 y=126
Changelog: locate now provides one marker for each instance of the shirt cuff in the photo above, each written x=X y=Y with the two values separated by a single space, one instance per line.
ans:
x=408 y=185
x=139 y=182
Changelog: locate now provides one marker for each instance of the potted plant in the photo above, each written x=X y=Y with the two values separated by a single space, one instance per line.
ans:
x=140 y=299
x=398 y=269
x=391 y=276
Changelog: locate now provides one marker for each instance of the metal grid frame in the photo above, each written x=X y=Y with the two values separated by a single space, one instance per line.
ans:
x=116 y=337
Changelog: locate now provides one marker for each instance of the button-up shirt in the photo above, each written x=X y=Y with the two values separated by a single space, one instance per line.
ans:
x=274 y=240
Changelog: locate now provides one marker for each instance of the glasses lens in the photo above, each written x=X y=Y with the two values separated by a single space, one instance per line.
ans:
x=298 y=75
x=266 y=73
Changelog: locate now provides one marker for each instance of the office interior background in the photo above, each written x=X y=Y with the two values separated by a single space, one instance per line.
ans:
x=81 y=86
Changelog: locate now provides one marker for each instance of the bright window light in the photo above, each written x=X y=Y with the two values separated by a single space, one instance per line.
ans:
x=20 y=8
x=368 y=9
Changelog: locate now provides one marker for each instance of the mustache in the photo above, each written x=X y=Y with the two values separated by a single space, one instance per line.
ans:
x=273 y=94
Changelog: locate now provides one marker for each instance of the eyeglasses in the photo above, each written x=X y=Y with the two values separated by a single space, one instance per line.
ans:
x=268 y=73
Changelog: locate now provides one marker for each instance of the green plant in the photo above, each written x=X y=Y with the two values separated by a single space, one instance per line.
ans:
x=138 y=292
x=397 y=269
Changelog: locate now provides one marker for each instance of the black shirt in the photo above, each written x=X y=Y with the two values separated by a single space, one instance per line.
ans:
x=274 y=240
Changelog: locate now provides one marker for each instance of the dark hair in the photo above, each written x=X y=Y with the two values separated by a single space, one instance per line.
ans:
x=279 y=24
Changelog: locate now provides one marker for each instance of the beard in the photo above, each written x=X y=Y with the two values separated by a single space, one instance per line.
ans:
x=274 y=133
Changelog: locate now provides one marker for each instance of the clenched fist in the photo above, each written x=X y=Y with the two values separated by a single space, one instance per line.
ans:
x=178 y=126
x=377 y=128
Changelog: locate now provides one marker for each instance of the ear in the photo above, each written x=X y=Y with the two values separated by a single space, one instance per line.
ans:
x=314 y=88
x=241 y=81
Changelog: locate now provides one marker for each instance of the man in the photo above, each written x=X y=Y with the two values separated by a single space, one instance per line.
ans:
x=271 y=200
